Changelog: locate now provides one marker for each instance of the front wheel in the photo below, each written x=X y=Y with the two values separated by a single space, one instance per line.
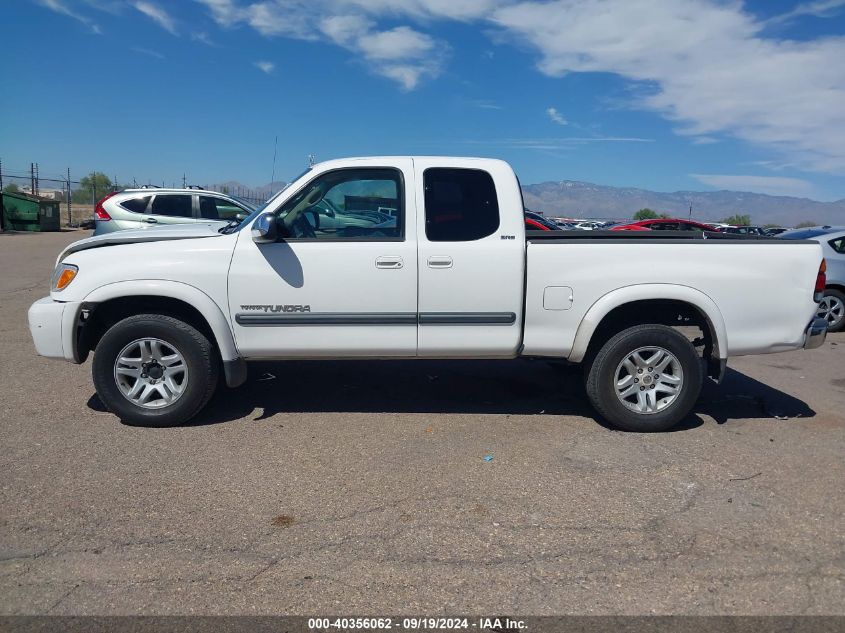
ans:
x=645 y=379
x=154 y=370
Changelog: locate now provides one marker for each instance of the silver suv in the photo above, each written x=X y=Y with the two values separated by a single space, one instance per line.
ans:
x=145 y=208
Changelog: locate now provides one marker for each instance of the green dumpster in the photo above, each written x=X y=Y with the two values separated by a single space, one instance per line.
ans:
x=28 y=213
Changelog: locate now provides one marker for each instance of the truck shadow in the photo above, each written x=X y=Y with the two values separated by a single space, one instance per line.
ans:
x=521 y=387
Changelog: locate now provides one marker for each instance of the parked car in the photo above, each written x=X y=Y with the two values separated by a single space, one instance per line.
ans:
x=536 y=222
x=589 y=225
x=745 y=230
x=454 y=275
x=149 y=207
x=663 y=224
x=772 y=231
x=832 y=239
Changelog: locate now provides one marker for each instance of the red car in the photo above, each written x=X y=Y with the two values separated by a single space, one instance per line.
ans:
x=664 y=224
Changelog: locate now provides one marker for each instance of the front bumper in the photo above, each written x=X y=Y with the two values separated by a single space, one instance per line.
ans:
x=53 y=325
x=815 y=334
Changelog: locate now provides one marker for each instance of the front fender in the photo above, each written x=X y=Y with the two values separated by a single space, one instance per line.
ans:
x=644 y=292
x=180 y=291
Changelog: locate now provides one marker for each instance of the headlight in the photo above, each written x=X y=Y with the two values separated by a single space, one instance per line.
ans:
x=65 y=273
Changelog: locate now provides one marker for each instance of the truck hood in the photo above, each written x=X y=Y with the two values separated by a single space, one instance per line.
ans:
x=157 y=234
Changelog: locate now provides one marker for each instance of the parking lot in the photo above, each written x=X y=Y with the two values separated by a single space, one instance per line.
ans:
x=362 y=488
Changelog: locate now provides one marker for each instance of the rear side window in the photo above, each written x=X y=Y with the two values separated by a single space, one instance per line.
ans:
x=136 y=205
x=838 y=245
x=460 y=205
x=174 y=206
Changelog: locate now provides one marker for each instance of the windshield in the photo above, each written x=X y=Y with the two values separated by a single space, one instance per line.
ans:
x=232 y=227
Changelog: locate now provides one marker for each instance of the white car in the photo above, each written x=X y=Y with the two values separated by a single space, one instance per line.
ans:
x=449 y=275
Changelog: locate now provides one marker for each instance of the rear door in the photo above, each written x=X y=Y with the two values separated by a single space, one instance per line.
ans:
x=471 y=258
x=170 y=208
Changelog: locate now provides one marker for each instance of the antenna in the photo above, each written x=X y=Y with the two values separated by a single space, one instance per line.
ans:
x=275 y=145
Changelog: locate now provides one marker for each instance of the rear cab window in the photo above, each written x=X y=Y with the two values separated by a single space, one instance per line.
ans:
x=461 y=205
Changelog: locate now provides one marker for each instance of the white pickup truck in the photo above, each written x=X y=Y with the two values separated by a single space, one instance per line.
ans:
x=420 y=257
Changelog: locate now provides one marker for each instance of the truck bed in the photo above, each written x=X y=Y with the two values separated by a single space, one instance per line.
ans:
x=647 y=236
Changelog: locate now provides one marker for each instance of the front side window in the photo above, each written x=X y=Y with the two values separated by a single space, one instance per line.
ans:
x=213 y=208
x=460 y=205
x=346 y=204
x=172 y=205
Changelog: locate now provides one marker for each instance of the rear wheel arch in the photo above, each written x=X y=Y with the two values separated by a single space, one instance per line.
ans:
x=661 y=305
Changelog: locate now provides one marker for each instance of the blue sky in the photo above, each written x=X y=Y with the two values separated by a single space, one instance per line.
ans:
x=658 y=94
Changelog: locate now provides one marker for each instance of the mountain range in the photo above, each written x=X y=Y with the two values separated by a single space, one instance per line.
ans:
x=576 y=199
x=572 y=198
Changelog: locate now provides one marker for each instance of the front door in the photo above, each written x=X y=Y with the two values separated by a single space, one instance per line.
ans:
x=341 y=281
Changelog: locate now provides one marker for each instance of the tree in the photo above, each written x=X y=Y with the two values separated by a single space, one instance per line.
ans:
x=645 y=214
x=96 y=181
x=806 y=224
x=737 y=220
x=11 y=188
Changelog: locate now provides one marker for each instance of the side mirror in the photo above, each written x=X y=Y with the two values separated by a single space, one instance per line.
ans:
x=264 y=229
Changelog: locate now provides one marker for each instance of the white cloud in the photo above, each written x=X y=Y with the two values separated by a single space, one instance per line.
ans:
x=401 y=54
x=818 y=9
x=771 y=185
x=202 y=36
x=225 y=12
x=345 y=29
x=708 y=66
x=157 y=15
x=556 y=117
x=265 y=66
x=703 y=65
x=60 y=7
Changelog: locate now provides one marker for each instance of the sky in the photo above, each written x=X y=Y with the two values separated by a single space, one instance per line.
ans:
x=658 y=94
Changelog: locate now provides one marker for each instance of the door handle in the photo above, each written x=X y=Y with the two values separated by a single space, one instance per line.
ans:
x=389 y=262
x=150 y=220
x=439 y=261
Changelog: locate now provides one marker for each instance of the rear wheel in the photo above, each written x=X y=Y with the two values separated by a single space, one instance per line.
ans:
x=832 y=309
x=154 y=370
x=646 y=378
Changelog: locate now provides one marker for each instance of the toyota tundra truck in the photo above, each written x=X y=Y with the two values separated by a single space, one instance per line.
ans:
x=421 y=257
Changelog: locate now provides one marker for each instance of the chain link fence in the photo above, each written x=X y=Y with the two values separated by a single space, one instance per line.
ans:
x=79 y=197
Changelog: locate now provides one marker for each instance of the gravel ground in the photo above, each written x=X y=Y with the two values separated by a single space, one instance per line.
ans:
x=361 y=488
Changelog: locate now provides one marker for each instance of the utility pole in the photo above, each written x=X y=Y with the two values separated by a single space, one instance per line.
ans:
x=69 y=201
x=275 y=146
x=311 y=160
x=184 y=180
x=690 y=212
x=37 y=184
x=32 y=179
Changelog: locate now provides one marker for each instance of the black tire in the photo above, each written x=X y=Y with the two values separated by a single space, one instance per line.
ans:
x=200 y=358
x=836 y=326
x=601 y=378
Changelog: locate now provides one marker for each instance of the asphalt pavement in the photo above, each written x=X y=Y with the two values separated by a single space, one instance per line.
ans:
x=362 y=488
